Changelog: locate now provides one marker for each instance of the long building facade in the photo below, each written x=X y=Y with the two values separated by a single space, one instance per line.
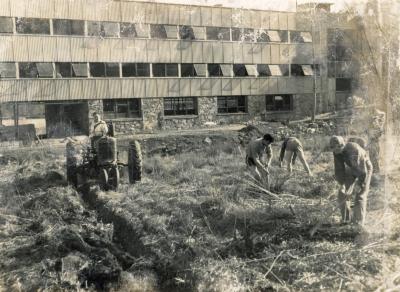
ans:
x=151 y=66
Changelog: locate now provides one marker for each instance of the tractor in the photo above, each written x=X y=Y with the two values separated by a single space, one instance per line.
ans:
x=99 y=161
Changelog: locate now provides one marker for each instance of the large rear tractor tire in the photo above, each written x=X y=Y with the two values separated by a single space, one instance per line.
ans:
x=113 y=178
x=72 y=168
x=103 y=179
x=134 y=162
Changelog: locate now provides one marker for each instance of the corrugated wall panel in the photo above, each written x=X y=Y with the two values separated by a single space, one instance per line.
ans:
x=184 y=15
x=284 y=52
x=303 y=54
x=247 y=53
x=6 y=48
x=195 y=16
x=237 y=53
x=275 y=54
x=264 y=19
x=197 y=52
x=48 y=89
x=264 y=85
x=215 y=86
x=186 y=51
x=282 y=85
x=61 y=8
x=127 y=11
x=116 y=50
x=75 y=88
x=236 y=86
x=102 y=90
x=5 y=8
x=274 y=20
x=228 y=52
x=151 y=88
x=245 y=84
x=103 y=50
x=206 y=16
x=173 y=14
x=303 y=22
x=291 y=85
x=173 y=87
x=255 y=86
x=226 y=16
x=273 y=86
x=226 y=86
x=184 y=87
x=62 y=89
x=205 y=86
x=21 y=48
x=114 y=86
x=17 y=8
x=195 y=87
x=77 y=9
x=139 y=88
x=256 y=19
x=308 y=85
x=175 y=51
x=89 y=89
x=32 y=9
x=35 y=48
x=283 y=21
x=247 y=18
x=299 y=81
x=265 y=54
x=291 y=21
x=152 y=51
x=46 y=8
x=127 y=88
x=218 y=55
x=237 y=18
x=164 y=51
x=12 y=90
x=91 y=49
x=129 y=50
x=257 y=52
x=114 y=11
x=162 y=87
x=140 y=12
x=102 y=10
x=63 y=49
x=216 y=16
x=207 y=52
x=141 y=51
x=158 y=14
x=49 y=49
x=34 y=92
x=78 y=50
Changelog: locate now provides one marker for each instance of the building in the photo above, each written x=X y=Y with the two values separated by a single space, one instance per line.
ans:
x=152 y=66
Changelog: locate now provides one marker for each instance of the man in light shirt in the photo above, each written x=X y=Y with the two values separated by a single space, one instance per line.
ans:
x=290 y=150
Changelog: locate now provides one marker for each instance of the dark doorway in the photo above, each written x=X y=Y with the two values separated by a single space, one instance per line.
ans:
x=67 y=119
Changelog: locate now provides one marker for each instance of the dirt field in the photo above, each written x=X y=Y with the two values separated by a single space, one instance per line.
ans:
x=197 y=222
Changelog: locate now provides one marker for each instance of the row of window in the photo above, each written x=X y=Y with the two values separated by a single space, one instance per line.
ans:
x=84 y=70
x=157 y=31
x=173 y=106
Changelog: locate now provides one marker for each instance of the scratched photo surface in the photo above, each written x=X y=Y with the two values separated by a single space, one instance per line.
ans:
x=199 y=145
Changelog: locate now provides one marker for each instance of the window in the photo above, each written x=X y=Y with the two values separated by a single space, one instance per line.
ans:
x=263 y=70
x=68 y=27
x=35 y=70
x=243 y=34
x=32 y=25
x=6 y=24
x=180 y=106
x=232 y=104
x=135 y=70
x=127 y=30
x=7 y=70
x=186 y=33
x=215 y=70
x=121 y=108
x=279 y=70
x=104 y=69
x=283 y=35
x=279 y=102
x=300 y=37
x=160 y=31
x=262 y=36
x=218 y=33
x=343 y=84
x=103 y=29
x=142 y=30
x=304 y=70
x=244 y=70
x=193 y=70
x=70 y=70
x=165 y=70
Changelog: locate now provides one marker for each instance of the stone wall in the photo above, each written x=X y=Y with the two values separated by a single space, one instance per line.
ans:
x=128 y=126
x=153 y=113
x=302 y=108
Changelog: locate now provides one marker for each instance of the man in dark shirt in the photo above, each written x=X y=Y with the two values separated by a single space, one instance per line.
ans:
x=352 y=166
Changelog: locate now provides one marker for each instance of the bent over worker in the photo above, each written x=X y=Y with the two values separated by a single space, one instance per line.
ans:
x=254 y=154
x=291 y=148
x=352 y=166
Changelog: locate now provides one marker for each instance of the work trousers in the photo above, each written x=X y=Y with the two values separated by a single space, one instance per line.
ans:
x=290 y=158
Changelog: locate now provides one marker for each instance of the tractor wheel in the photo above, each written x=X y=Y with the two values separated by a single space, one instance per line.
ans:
x=103 y=179
x=113 y=178
x=134 y=162
x=72 y=173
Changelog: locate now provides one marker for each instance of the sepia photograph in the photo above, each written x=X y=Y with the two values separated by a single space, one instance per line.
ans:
x=199 y=145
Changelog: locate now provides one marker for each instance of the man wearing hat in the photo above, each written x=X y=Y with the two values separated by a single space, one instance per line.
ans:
x=352 y=167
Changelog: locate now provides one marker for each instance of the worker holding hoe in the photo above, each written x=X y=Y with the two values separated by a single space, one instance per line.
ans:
x=254 y=154
x=291 y=148
x=352 y=167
